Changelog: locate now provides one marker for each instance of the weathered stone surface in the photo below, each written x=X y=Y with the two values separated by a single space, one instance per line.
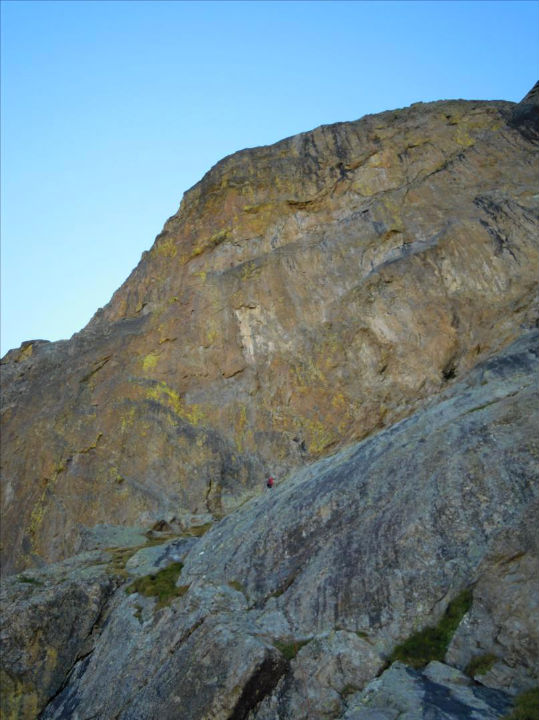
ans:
x=305 y=295
x=324 y=672
x=106 y=536
x=48 y=621
x=320 y=543
x=197 y=658
x=503 y=620
x=290 y=606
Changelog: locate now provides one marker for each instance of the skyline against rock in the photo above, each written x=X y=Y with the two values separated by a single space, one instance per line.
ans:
x=352 y=310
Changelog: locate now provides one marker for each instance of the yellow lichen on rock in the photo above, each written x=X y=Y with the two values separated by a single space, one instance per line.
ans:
x=150 y=361
x=166 y=248
x=18 y=701
x=164 y=394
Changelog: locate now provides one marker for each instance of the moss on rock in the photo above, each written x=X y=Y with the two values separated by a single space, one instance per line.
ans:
x=161 y=585
x=526 y=706
x=480 y=664
x=431 y=643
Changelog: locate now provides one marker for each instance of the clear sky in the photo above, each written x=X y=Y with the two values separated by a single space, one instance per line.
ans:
x=111 y=110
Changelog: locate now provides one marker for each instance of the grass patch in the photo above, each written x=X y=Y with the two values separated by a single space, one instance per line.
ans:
x=290 y=650
x=526 y=706
x=29 y=580
x=198 y=530
x=432 y=642
x=480 y=664
x=161 y=585
x=120 y=556
x=119 y=560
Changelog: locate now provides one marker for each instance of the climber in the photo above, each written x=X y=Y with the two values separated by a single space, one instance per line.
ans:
x=270 y=482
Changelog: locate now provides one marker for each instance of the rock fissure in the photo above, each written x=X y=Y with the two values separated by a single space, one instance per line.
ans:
x=259 y=686
x=97 y=367
x=79 y=662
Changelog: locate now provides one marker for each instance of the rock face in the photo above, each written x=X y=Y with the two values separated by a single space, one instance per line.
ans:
x=305 y=295
x=47 y=625
x=291 y=606
x=354 y=311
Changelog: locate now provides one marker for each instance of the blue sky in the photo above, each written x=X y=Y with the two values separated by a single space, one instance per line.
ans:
x=111 y=110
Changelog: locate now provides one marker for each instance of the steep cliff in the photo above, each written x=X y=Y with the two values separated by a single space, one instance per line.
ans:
x=353 y=310
x=305 y=295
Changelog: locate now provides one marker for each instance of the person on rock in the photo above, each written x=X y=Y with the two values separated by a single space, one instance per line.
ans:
x=270 y=483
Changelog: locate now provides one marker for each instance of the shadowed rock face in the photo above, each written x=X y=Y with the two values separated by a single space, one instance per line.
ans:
x=291 y=606
x=438 y=693
x=305 y=295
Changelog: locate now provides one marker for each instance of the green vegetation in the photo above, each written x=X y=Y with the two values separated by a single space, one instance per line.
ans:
x=30 y=580
x=161 y=585
x=526 y=706
x=119 y=560
x=198 y=530
x=235 y=585
x=432 y=642
x=290 y=650
x=120 y=556
x=480 y=664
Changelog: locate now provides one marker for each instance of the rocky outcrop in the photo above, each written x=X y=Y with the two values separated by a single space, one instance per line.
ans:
x=305 y=295
x=49 y=622
x=292 y=606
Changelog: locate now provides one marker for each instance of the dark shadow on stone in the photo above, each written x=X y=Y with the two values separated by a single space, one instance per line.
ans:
x=439 y=702
x=260 y=684
x=525 y=116
x=63 y=705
